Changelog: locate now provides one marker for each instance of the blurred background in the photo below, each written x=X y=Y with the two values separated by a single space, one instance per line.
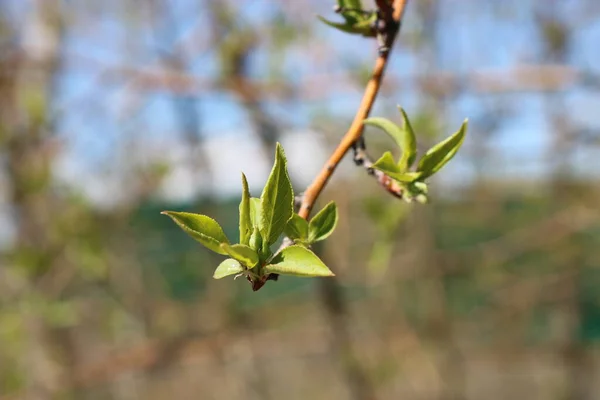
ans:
x=111 y=111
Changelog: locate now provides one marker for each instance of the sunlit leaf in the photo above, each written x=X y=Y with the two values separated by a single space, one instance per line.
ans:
x=228 y=267
x=242 y=253
x=245 y=217
x=409 y=143
x=323 y=223
x=255 y=213
x=276 y=201
x=387 y=165
x=299 y=261
x=297 y=228
x=441 y=153
x=256 y=240
x=403 y=136
x=202 y=228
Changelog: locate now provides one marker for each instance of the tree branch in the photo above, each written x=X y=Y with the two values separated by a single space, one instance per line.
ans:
x=355 y=131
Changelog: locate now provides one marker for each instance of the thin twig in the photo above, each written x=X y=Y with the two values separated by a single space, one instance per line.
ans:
x=354 y=132
x=385 y=8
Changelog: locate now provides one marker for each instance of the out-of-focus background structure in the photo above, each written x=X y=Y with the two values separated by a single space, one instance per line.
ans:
x=111 y=111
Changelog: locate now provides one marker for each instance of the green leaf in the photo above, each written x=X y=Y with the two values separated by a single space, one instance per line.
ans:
x=242 y=253
x=441 y=153
x=350 y=10
x=352 y=4
x=387 y=165
x=355 y=23
x=256 y=240
x=299 y=261
x=297 y=228
x=255 y=213
x=276 y=201
x=342 y=26
x=245 y=216
x=228 y=267
x=409 y=144
x=202 y=228
x=404 y=138
x=323 y=223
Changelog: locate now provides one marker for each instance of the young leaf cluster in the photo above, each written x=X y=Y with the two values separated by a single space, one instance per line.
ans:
x=262 y=221
x=413 y=180
x=356 y=20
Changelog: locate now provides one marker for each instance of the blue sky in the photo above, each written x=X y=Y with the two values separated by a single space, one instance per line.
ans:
x=100 y=118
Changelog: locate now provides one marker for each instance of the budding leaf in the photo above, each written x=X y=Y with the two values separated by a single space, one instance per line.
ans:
x=228 y=267
x=202 y=228
x=299 y=261
x=409 y=143
x=242 y=253
x=297 y=228
x=323 y=223
x=441 y=153
x=245 y=216
x=256 y=240
x=352 y=4
x=276 y=201
x=255 y=213
x=387 y=165
x=404 y=138
x=363 y=26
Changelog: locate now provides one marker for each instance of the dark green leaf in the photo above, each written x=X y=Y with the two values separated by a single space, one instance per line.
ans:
x=276 y=201
x=351 y=4
x=299 y=261
x=245 y=217
x=242 y=253
x=441 y=153
x=228 y=267
x=202 y=228
x=297 y=228
x=323 y=223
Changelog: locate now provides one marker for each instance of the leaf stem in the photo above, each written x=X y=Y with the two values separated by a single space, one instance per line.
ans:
x=355 y=131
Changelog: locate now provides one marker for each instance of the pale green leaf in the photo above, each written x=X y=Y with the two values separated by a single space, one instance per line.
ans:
x=441 y=153
x=409 y=143
x=228 y=267
x=255 y=213
x=276 y=201
x=202 y=228
x=404 y=138
x=323 y=223
x=245 y=216
x=297 y=228
x=387 y=165
x=242 y=253
x=299 y=261
x=256 y=240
